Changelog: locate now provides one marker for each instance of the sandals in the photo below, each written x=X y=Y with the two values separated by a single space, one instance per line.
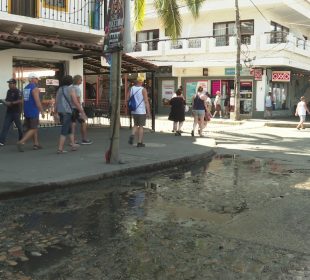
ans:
x=74 y=147
x=37 y=147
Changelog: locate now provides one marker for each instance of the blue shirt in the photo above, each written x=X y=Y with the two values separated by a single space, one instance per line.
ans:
x=30 y=107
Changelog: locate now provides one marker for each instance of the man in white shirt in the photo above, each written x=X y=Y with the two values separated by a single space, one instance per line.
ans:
x=139 y=115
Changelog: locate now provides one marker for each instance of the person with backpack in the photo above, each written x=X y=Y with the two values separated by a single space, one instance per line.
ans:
x=139 y=106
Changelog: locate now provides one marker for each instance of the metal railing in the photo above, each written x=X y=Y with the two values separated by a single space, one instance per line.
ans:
x=276 y=37
x=194 y=43
x=81 y=12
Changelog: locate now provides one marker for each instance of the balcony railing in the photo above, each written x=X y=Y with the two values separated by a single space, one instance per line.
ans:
x=81 y=12
x=276 y=37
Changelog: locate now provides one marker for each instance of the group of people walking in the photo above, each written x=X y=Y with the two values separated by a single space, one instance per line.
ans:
x=68 y=110
x=201 y=111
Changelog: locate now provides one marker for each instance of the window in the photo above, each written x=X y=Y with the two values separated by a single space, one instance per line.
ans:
x=278 y=33
x=223 y=30
x=23 y=8
x=60 y=5
x=144 y=36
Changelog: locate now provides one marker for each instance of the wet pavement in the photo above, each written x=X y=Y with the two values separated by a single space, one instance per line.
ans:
x=229 y=218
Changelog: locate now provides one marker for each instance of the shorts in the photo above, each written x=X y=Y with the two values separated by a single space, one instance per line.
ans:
x=139 y=119
x=218 y=107
x=302 y=118
x=76 y=116
x=199 y=113
x=66 y=121
x=31 y=123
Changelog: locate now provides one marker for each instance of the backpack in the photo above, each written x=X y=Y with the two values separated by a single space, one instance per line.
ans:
x=132 y=104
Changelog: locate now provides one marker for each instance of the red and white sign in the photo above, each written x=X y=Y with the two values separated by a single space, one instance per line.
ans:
x=281 y=76
x=258 y=74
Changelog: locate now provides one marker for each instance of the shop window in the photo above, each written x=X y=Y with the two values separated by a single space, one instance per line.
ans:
x=280 y=96
x=60 y=5
x=146 y=35
x=223 y=30
x=278 y=33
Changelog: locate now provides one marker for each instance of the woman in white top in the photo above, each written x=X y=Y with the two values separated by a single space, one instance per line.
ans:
x=301 y=111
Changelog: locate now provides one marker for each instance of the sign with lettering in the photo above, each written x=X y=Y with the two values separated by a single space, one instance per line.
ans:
x=281 y=76
x=258 y=74
x=113 y=39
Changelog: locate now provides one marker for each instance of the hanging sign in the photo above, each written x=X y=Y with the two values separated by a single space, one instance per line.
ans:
x=258 y=74
x=281 y=76
x=113 y=39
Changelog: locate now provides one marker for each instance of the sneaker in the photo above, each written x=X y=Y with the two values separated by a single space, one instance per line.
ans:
x=1 y=144
x=86 y=142
x=140 y=145
x=130 y=140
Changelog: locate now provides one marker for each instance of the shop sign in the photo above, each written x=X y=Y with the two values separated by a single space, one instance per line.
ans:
x=281 y=76
x=230 y=71
x=52 y=82
x=114 y=32
x=258 y=74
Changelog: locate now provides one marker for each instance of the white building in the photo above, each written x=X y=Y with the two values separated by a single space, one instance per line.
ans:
x=275 y=52
x=46 y=37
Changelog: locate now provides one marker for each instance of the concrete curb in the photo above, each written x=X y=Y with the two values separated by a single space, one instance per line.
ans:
x=30 y=189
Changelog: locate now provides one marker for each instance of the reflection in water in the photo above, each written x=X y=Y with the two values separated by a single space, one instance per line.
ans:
x=163 y=225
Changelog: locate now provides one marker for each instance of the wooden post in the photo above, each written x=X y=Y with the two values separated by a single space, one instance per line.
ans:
x=115 y=116
x=236 y=115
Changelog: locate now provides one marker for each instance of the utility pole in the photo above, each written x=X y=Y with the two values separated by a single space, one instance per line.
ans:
x=236 y=115
x=113 y=46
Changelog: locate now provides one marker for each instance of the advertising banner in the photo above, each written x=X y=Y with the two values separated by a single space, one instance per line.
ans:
x=168 y=88
x=113 y=39
x=191 y=88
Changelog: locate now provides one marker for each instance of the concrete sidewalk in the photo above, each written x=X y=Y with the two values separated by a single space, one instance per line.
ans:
x=42 y=170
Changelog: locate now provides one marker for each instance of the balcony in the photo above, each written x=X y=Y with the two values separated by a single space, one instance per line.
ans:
x=85 y=13
x=266 y=41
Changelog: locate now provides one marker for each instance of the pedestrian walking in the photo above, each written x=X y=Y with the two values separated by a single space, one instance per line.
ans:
x=65 y=100
x=77 y=81
x=142 y=110
x=227 y=106
x=13 y=102
x=268 y=105
x=199 y=110
x=32 y=109
x=217 y=105
x=301 y=111
x=177 y=112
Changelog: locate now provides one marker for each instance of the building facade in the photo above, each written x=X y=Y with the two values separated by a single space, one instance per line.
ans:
x=49 y=38
x=275 y=53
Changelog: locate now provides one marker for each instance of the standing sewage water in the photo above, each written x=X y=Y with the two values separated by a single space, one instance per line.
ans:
x=230 y=218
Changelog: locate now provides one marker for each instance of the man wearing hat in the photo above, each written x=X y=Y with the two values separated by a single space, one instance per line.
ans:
x=32 y=109
x=13 y=103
